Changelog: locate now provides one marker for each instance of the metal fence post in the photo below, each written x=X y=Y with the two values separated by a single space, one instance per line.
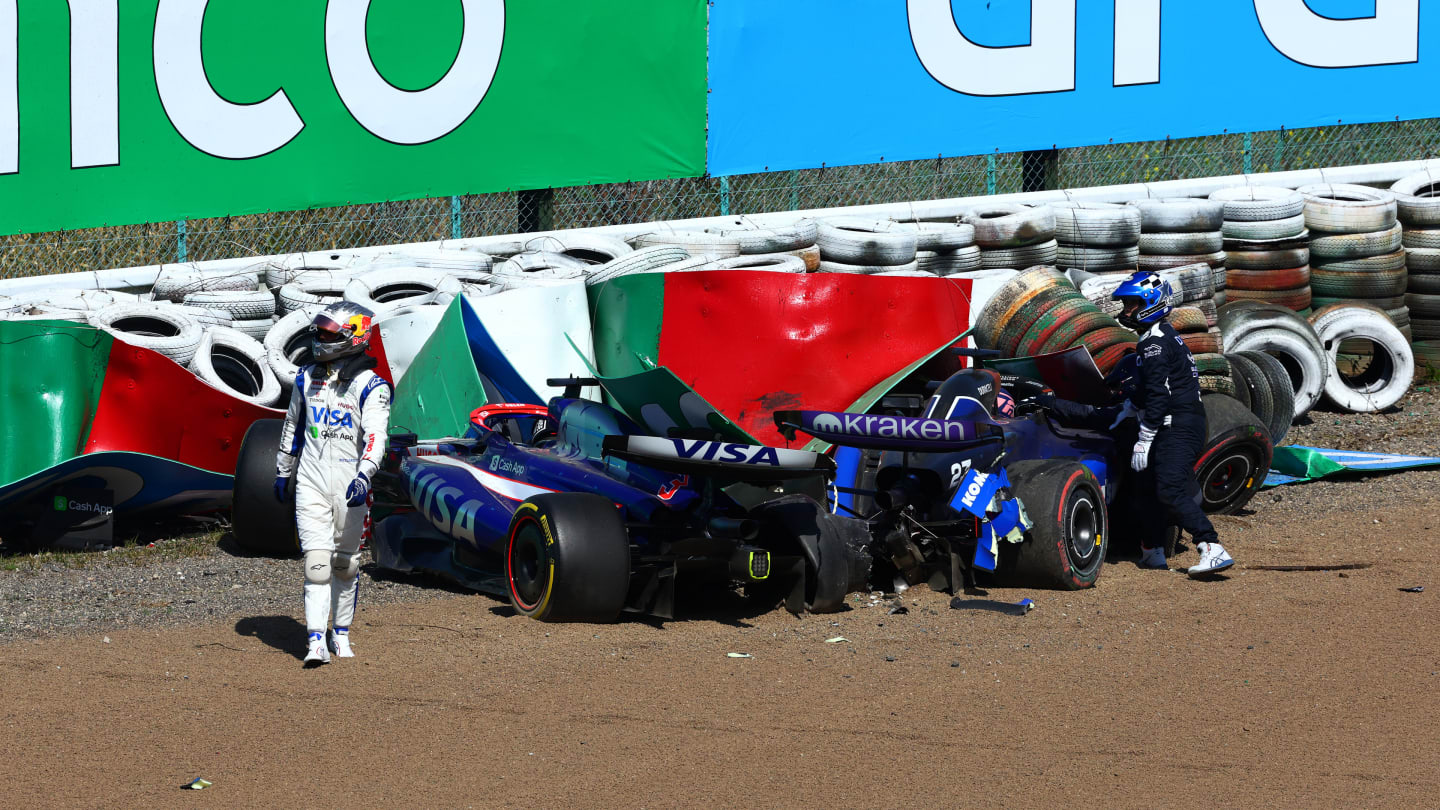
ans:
x=1245 y=153
x=990 y=173
x=724 y=196
x=455 y=217
x=1279 y=165
x=794 y=191
x=180 y=240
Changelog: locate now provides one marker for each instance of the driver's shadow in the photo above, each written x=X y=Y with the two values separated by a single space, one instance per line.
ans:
x=283 y=633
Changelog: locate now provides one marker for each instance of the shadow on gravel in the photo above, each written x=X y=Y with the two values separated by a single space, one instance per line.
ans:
x=710 y=605
x=228 y=545
x=418 y=579
x=283 y=633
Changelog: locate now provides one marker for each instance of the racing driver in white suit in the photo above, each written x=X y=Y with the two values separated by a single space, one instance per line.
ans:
x=331 y=444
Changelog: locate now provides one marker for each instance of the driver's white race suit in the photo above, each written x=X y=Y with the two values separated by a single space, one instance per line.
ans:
x=333 y=429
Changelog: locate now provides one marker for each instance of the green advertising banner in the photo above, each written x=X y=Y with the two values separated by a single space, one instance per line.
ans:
x=153 y=110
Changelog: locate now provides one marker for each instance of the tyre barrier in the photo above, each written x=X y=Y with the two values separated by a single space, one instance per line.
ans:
x=943 y=263
x=694 y=243
x=1097 y=237
x=1278 y=331
x=1010 y=225
x=235 y=363
x=1381 y=375
x=1266 y=245
x=166 y=330
x=175 y=285
x=755 y=239
x=1040 y=311
x=535 y=264
x=1356 y=252
x=1215 y=373
x=382 y=291
x=863 y=242
x=586 y=248
x=1417 y=201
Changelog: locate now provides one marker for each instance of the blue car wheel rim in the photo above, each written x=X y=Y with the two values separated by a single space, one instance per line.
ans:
x=528 y=565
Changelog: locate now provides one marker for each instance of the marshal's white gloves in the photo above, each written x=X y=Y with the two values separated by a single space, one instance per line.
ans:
x=1140 y=459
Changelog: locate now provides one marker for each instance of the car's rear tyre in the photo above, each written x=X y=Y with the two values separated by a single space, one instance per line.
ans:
x=259 y=522
x=1236 y=458
x=567 y=559
x=833 y=548
x=1065 y=548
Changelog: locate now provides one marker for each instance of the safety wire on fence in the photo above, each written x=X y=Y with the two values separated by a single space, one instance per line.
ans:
x=658 y=200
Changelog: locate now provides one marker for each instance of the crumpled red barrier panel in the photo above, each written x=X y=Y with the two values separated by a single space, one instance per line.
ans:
x=150 y=404
x=752 y=343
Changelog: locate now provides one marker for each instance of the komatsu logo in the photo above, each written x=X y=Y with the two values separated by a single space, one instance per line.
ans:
x=433 y=496
x=973 y=490
x=892 y=427
x=729 y=453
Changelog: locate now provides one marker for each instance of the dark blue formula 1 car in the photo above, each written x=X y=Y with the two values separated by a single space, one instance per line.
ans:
x=574 y=514
x=949 y=486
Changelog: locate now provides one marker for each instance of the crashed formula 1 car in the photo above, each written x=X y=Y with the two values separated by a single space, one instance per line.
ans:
x=951 y=486
x=574 y=514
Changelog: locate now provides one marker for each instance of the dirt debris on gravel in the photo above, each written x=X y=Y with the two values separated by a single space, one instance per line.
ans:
x=1297 y=689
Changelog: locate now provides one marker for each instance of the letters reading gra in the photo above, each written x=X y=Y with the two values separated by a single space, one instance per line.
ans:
x=1047 y=63
x=217 y=126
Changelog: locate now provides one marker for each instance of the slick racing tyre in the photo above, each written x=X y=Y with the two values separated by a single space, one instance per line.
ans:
x=1065 y=547
x=567 y=558
x=261 y=524
x=1236 y=458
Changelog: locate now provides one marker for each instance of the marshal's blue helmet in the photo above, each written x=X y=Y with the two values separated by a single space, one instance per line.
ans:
x=1144 y=299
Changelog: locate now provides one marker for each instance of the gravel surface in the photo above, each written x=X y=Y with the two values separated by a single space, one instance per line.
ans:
x=221 y=581
x=55 y=598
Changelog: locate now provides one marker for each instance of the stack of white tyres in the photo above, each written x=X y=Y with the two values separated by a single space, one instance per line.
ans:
x=1014 y=236
x=1183 y=232
x=860 y=245
x=1100 y=238
x=1266 y=245
x=1417 y=200
x=1355 y=248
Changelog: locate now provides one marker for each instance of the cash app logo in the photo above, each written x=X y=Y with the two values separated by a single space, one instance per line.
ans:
x=61 y=503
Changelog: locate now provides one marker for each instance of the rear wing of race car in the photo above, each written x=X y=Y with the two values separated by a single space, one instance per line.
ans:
x=726 y=460
x=881 y=432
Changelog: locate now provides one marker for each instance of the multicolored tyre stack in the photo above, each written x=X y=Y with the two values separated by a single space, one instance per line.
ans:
x=1266 y=245
x=1355 y=249
x=1183 y=231
x=1215 y=373
x=1417 y=201
x=1040 y=312
x=1013 y=235
x=1195 y=329
x=1099 y=238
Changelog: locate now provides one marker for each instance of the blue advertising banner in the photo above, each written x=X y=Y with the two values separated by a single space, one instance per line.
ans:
x=806 y=83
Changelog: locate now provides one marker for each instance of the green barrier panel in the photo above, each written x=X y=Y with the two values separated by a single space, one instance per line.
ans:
x=625 y=318
x=435 y=397
x=51 y=374
x=274 y=105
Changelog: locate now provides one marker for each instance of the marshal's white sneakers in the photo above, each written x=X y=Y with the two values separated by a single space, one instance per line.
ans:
x=317 y=654
x=340 y=642
x=1213 y=559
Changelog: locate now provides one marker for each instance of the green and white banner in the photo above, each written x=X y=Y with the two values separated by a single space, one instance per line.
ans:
x=151 y=110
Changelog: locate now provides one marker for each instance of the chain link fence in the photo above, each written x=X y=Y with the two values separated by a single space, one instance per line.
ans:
x=656 y=200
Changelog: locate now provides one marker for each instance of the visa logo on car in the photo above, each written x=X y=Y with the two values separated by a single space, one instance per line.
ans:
x=892 y=427
x=432 y=497
x=728 y=453
x=330 y=418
